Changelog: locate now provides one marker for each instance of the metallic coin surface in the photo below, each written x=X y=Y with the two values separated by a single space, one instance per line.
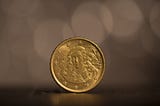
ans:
x=77 y=64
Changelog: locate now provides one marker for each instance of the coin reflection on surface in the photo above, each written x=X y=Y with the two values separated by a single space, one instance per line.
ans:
x=76 y=99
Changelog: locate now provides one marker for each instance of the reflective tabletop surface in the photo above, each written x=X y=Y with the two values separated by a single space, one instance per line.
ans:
x=110 y=97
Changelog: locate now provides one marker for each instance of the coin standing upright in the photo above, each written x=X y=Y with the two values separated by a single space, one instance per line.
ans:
x=77 y=64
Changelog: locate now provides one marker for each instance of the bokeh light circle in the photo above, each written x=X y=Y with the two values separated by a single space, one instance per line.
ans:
x=90 y=20
x=127 y=18
x=47 y=35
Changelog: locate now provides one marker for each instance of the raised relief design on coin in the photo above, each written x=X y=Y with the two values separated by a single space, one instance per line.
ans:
x=77 y=64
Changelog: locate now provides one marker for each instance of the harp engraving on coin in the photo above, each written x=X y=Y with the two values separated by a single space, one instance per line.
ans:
x=77 y=65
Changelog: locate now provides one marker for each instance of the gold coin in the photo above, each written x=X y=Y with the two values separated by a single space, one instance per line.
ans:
x=77 y=64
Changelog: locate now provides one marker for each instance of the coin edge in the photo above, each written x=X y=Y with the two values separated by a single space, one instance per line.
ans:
x=69 y=89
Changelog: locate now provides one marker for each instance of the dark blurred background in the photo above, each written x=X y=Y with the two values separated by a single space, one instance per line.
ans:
x=128 y=32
